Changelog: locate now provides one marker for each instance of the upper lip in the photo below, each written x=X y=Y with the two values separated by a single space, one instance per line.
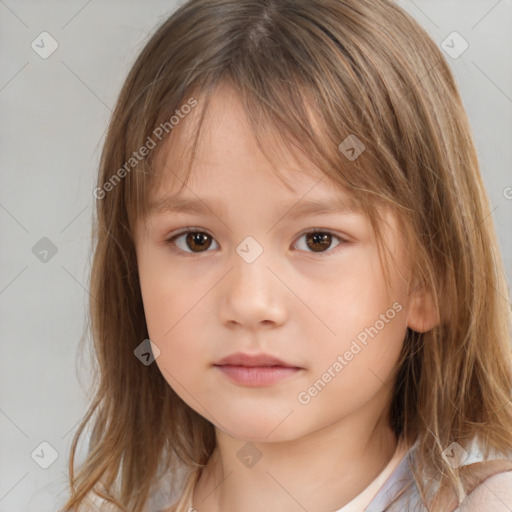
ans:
x=241 y=359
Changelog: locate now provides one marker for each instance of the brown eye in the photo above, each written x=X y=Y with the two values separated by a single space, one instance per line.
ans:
x=198 y=240
x=318 y=241
x=191 y=241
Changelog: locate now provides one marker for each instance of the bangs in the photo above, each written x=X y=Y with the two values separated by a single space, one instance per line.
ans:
x=285 y=122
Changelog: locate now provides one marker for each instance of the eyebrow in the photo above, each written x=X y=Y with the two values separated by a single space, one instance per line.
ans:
x=299 y=208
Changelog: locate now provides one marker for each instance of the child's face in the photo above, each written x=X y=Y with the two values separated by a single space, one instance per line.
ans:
x=304 y=307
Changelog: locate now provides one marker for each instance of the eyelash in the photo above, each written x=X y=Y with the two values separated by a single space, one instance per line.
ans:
x=170 y=241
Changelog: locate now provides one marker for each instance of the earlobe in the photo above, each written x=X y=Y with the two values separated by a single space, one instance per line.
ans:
x=422 y=315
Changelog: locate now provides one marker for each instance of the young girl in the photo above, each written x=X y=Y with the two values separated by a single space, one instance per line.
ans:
x=299 y=301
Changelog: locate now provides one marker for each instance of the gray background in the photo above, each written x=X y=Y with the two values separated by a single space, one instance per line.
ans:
x=54 y=114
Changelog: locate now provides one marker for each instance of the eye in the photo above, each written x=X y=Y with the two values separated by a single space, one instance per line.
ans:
x=198 y=241
x=317 y=241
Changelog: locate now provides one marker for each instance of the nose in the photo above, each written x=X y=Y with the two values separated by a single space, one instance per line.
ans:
x=253 y=296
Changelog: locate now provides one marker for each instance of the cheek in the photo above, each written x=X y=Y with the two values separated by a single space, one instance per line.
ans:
x=352 y=297
x=169 y=294
x=368 y=325
x=172 y=317
x=174 y=304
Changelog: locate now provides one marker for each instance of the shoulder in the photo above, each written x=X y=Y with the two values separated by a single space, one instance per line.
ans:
x=492 y=495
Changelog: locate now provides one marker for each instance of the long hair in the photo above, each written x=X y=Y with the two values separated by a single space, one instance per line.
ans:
x=314 y=74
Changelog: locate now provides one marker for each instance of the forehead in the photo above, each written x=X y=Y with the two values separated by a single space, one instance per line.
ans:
x=220 y=153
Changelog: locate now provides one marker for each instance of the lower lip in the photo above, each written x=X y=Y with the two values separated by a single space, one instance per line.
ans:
x=257 y=375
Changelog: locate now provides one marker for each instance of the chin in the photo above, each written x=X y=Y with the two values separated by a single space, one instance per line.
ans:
x=254 y=428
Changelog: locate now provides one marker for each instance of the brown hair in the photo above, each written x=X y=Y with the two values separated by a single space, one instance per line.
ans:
x=314 y=72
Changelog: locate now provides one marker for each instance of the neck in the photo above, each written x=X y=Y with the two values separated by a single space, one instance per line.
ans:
x=322 y=470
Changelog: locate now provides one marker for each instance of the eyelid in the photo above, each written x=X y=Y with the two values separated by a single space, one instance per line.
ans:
x=341 y=236
x=169 y=241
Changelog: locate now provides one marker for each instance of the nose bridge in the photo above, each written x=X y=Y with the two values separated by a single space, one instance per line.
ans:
x=251 y=291
x=251 y=271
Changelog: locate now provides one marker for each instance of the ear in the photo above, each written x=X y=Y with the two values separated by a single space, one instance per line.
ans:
x=422 y=314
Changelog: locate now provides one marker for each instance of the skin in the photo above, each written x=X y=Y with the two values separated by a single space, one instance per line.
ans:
x=301 y=306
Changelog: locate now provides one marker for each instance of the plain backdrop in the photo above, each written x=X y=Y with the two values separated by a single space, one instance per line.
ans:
x=54 y=114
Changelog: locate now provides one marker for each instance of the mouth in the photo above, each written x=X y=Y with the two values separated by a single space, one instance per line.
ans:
x=256 y=370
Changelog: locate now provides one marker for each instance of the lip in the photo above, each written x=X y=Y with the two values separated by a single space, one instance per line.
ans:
x=256 y=370
x=258 y=376
x=242 y=359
